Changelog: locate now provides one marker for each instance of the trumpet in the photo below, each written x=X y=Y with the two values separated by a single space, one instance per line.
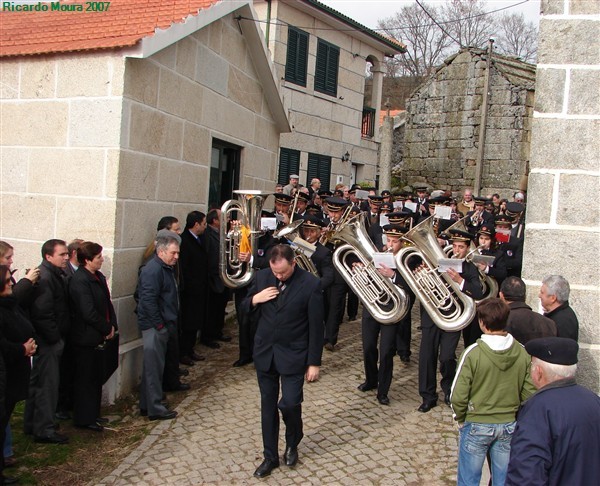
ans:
x=235 y=273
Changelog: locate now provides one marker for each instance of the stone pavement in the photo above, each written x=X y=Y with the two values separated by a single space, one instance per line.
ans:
x=349 y=437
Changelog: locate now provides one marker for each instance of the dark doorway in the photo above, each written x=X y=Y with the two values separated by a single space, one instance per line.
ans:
x=224 y=172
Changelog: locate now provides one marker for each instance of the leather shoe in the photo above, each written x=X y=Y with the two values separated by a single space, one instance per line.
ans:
x=178 y=387
x=54 y=438
x=383 y=399
x=224 y=338
x=447 y=399
x=186 y=360
x=168 y=415
x=92 y=427
x=242 y=362
x=364 y=387
x=426 y=406
x=265 y=468
x=211 y=344
x=290 y=456
x=329 y=347
x=405 y=359
x=197 y=357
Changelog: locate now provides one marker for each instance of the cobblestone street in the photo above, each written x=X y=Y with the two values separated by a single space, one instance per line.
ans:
x=349 y=437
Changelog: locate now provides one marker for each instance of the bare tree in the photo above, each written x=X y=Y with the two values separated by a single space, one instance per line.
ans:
x=517 y=37
x=425 y=42
x=467 y=23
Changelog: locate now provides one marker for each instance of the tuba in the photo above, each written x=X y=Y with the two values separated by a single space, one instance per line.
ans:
x=386 y=302
x=290 y=232
x=448 y=307
x=235 y=273
x=490 y=285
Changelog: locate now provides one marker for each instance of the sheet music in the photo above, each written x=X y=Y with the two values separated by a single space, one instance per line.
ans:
x=387 y=258
x=486 y=259
x=443 y=212
x=398 y=205
x=362 y=194
x=453 y=263
x=383 y=220
x=267 y=224
x=412 y=206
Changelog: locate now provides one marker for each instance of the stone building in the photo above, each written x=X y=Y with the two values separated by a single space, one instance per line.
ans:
x=443 y=124
x=108 y=125
x=563 y=214
x=321 y=58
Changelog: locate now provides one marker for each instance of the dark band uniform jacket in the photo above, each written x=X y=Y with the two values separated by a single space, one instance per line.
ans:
x=322 y=260
x=283 y=336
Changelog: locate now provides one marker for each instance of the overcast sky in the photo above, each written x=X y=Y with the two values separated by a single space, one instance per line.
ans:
x=368 y=12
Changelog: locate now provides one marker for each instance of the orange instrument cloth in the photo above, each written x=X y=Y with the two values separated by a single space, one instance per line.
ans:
x=245 y=246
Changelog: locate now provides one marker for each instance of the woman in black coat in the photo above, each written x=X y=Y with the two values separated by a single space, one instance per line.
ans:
x=93 y=322
x=16 y=348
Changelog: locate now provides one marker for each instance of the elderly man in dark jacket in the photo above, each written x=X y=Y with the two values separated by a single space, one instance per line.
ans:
x=157 y=312
x=49 y=313
x=557 y=437
x=554 y=296
x=523 y=323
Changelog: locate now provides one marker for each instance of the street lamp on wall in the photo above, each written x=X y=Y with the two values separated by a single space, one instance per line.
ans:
x=346 y=157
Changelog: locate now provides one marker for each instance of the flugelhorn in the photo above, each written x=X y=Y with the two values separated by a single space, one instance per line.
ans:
x=386 y=302
x=290 y=233
x=449 y=308
x=235 y=273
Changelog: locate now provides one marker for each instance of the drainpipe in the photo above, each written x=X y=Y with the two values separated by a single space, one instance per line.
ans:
x=483 y=123
x=268 y=22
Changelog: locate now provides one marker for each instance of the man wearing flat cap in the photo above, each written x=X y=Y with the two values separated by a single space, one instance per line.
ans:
x=293 y=184
x=557 y=438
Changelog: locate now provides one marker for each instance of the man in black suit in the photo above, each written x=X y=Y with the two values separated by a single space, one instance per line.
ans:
x=288 y=304
x=439 y=344
x=193 y=263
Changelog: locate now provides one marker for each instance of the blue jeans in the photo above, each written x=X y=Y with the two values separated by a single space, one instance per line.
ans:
x=475 y=441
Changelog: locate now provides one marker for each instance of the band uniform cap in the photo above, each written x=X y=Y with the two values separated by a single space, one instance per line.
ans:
x=294 y=176
x=486 y=230
x=336 y=203
x=556 y=350
x=311 y=221
x=460 y=235
x=398 y=217
x=314 y=210
x=387 y=206
x=394 y=229
x=325 y=193
x=502 y=219
x=165 y=233
x=355 y=210
x=385 y=192
x=420 y=187
x=355 y=187
x=439 y=200
x=283 y=198
x=401 y=196
x=376 y=200
x=304 y=196
x=480 y=200
x=514 y=208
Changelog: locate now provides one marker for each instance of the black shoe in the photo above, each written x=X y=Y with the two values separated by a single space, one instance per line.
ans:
x=447 y=398
x=383 y=399
x=178 y=387
x=9 y=480
x=329 y=347
x=182 y=372
x=242 y=362
x=290 y=456
x=54 y=438
x=364 y=387
x=224 y=338
x=62 y=415
x=405 y=359
x=168 y=415
x=265 y=468
x=211 y=344
x=351 y=318
x=92 y=427
x=196 y=357
x=102 y=420
x=186 y=360
x=426 y=406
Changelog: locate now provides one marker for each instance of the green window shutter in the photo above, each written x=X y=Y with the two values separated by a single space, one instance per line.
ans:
x=319 y=166
x=289 y=163
x=297 y=56
x=326 y=68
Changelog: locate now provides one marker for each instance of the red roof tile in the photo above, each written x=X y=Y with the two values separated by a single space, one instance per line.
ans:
x=123 y=24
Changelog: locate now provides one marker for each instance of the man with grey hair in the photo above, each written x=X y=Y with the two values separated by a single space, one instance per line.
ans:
x=293 y=184
x=557 y=437
x=554 y=296
x=157 y=312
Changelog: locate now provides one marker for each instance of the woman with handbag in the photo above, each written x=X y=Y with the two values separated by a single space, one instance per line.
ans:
x=93 y=323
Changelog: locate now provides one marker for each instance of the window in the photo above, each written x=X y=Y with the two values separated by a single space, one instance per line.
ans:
x=289 y=163
x=319 y=166
x=297 y=56
x=326 y=69
x=224 y=172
